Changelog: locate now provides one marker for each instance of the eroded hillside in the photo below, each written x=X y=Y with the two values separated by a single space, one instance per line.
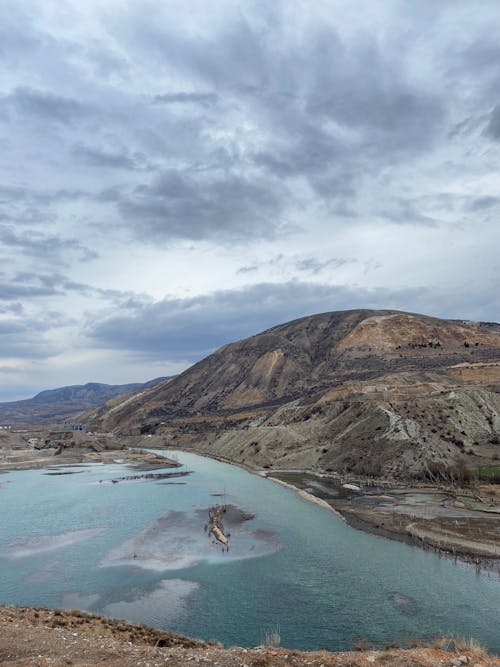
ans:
x=370 y=392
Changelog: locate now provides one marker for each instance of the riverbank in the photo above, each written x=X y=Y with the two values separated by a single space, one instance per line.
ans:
x=32 y=636
x=16 y=453
x=457 y=523
x=452 y=522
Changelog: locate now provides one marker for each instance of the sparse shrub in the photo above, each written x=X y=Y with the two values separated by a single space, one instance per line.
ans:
x=272 y=637
x=148 y=428
x=456 y=644
x=361 y=644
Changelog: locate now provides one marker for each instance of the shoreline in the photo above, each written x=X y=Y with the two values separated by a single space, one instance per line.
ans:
x=479 y=562
x=33 y=636
x=139 y=458
x=146 y=459
x=308 y=497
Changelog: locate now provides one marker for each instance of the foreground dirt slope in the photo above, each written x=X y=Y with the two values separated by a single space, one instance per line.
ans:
x=378 y=393
x=42 y=637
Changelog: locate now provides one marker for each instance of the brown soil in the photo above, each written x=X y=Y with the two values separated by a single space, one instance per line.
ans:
x=73 y=448
x=42 y=637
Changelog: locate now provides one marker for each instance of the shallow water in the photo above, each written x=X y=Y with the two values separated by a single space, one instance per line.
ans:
x=138 y=550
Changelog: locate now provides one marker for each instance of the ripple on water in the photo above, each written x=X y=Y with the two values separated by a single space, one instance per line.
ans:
x=46 y=543
x=165 y=605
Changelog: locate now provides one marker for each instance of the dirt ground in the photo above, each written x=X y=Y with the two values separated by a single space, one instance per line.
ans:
x=46 y=638
x=17 y=454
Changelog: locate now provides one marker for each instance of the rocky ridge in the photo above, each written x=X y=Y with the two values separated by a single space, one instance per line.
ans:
x=377 y=393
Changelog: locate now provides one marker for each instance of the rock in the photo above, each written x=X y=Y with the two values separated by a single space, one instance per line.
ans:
x=351 y=487
x=404 y=604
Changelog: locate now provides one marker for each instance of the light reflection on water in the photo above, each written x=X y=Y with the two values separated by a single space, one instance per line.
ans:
x=139 y=550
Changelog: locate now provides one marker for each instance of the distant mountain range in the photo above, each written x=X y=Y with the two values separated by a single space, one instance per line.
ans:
x=54 y=405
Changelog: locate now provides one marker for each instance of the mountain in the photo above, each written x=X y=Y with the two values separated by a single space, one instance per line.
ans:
x=56 y=404
x=372 y=392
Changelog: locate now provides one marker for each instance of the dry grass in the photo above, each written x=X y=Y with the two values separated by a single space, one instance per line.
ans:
x=456 y=644
x=272 y=637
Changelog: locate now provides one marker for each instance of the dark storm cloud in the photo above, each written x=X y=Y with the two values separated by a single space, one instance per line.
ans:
x=201 y=206
x=188 y=329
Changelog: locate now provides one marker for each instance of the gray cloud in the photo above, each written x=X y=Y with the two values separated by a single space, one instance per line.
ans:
x=27 y=338
x=181 y=145
x=297 y=264
x=44 y=246
x=24 y=206
x=493 y=127
x=188 y=329
x=404 y=212
x=46 y=106
x=328 y=107
x=204 y=99
x=97 y=157
x=484 y=202
x=200 y=206
x=315 y=266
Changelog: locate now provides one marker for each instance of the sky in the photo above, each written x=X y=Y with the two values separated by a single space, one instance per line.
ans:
x=179 y=175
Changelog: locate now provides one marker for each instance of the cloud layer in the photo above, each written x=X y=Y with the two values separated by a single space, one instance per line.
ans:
x=175 y=178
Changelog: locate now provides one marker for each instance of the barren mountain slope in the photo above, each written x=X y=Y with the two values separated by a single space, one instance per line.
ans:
x=380 y=392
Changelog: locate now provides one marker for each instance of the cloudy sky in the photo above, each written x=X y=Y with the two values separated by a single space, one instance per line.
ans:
x=177 y=175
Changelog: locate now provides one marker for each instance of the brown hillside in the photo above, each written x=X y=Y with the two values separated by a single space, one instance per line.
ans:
x=369 y=392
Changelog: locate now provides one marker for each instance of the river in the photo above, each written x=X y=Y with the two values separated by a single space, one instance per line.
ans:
x=138 y=550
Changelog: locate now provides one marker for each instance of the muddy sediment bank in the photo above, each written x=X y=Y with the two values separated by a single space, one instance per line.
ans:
x=146 y=476
x=445 y=521
x=17 y=454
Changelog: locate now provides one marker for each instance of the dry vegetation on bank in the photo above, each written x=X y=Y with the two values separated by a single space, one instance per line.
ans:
x=48 y=638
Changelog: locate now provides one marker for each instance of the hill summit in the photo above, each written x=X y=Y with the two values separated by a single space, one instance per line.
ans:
x=379 y=392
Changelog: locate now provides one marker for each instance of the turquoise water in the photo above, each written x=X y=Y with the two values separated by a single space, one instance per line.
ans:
x=138 y=550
